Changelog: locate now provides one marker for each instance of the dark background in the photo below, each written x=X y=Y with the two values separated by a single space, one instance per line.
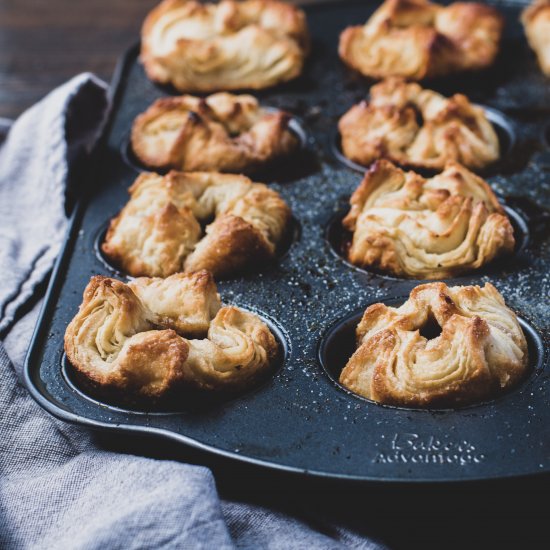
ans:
x=45 y=42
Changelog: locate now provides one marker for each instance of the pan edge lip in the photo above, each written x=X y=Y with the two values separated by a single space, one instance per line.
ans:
x=74 y=418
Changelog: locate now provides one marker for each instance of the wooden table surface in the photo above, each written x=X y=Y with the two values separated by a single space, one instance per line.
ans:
x=45 y=42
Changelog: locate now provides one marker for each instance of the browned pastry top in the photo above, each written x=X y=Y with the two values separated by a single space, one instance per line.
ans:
x=416 y=127
x=418 y=39
x=480 y=351
x=536 y=22
x=431 y=228
x=158 y=232
x=151 y=337
x=226 y=46
x=222 y=132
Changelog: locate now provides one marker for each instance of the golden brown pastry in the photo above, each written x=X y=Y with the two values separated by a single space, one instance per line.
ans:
x=159 y=231
x=226 y=46
x=151 y=337
x=480 y=352
x=417 y=127
x=222 y=132
x=536 y=22
x=418 y=39
x=431 y=228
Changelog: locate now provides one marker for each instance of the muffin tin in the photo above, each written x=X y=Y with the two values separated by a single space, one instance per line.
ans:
x=300 y=419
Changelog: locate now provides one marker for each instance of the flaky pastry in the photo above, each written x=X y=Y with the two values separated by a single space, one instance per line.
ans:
x=418 y=39
x=480 y=351
x=222 y=132
x=536 y=22
x=227 y=46
x=151 y=337
x=432 y=228
x=416 y=127
x=159 y=231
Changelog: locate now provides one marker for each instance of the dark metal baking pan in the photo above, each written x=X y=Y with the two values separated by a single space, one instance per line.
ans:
x=299 y=419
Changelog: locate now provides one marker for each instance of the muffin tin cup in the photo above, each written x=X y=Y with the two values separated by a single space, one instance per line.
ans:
x=299 y=419
x=185 y=398
x=291 y=237
x=295 y=159
x=339 y=343
x=339 y=240
x=503 y=125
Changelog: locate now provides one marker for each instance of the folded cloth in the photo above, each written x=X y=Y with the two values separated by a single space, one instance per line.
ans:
x=34 y=163
x=58 y=489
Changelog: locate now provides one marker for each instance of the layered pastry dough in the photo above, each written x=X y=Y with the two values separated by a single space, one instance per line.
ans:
x=417 y=127
x=480 y=351
x=536 y=22
x=151 y=337
x=417 y=39
x=159 y=232
x=226 y=46
x=431 y=228
x=222 y=132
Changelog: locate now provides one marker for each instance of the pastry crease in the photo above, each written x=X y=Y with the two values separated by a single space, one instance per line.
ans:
x=222 y=132
x=159 y=232
x=417 y=127
x=536 y=22
x=480 y=352
x=231 y=45
x=151 y=338
x=417 y=39
x=431 y=228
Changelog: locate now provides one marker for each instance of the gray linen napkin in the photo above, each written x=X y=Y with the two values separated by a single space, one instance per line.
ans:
x=58 y=488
